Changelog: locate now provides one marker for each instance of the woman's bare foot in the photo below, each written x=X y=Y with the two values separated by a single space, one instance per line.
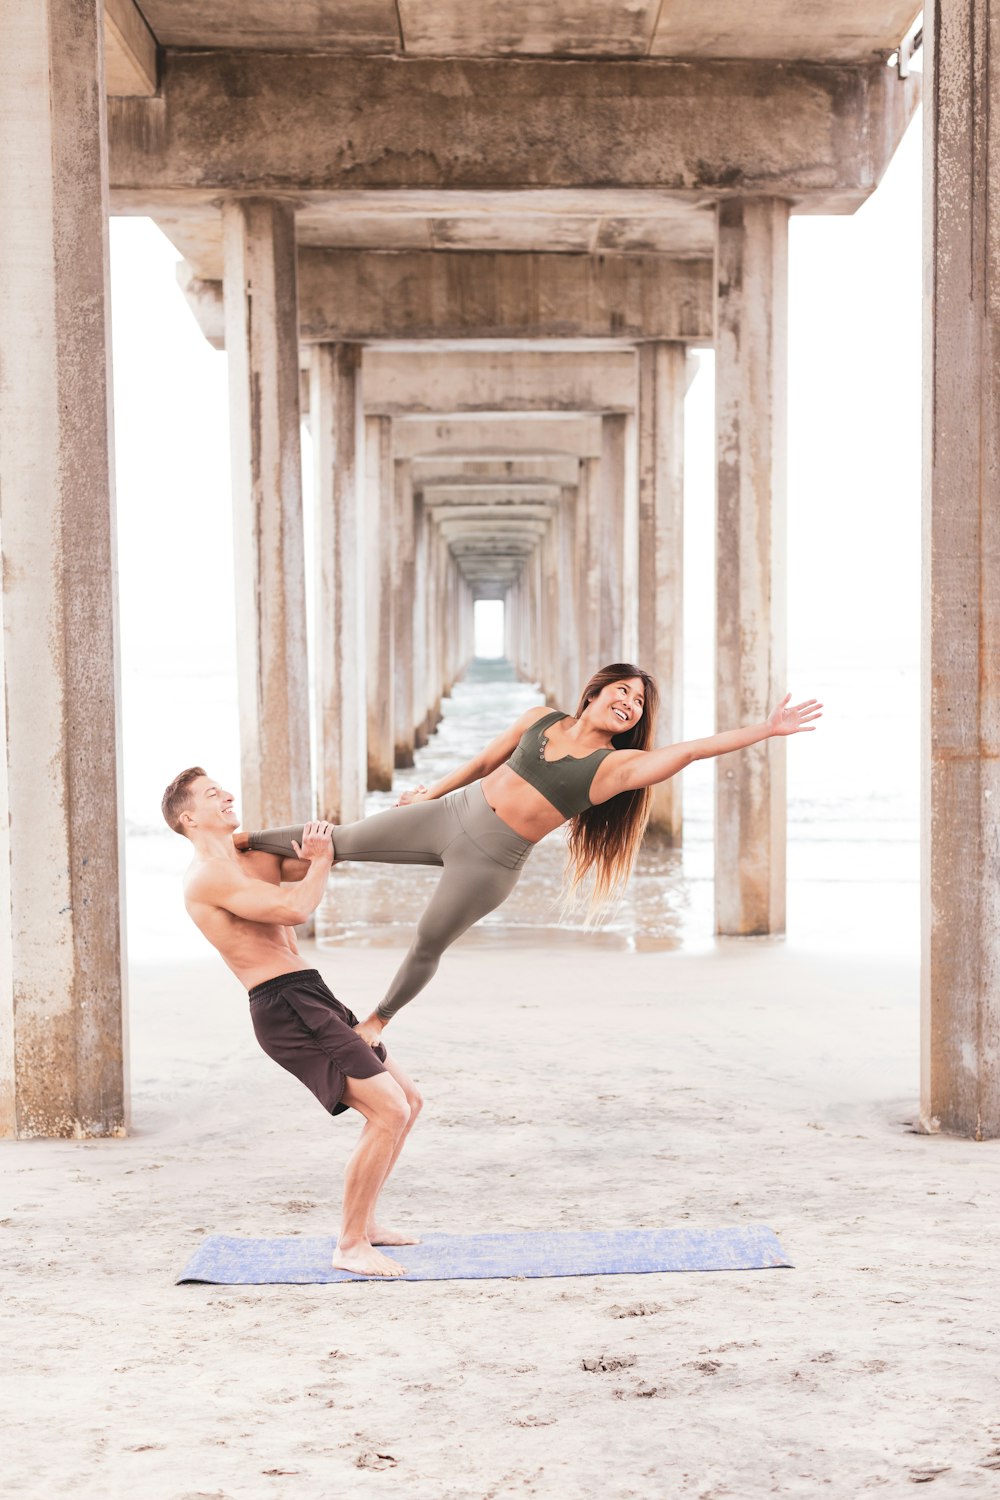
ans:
x=365 y=1260
x=379 y=1236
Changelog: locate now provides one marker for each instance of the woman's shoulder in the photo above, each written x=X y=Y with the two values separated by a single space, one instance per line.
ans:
x=533 y=716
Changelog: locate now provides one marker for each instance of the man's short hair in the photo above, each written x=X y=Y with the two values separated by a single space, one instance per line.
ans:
x=177 y=797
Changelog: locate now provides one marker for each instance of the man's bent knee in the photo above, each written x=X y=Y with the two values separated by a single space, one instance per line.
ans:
x=380 y=1100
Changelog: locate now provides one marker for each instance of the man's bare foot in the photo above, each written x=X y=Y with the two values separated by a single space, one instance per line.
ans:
x=379 y=1236
x=365 y=1260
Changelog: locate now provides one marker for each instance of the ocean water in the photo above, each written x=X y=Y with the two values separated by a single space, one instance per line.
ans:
x=853 y=835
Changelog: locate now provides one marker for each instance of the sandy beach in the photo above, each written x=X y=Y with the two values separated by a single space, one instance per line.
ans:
x=751 y=1084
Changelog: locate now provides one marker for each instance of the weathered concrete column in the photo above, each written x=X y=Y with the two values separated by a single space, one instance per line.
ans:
x=537 y=617
x=432 y=679
x=445 y=619
x=750 y=405
x=338 y=449
x=591 y=563
x=611 y=532
x=521 y=621
x=452 y=626
x=442 y=563
x=468 y=622
x=421 y=692
x=546 y=609
x=262 y=347
x=63 y=1048
x=555 y=656
x=569 y=604
x=403 y=610
x=379 y=536
x=511 y=625
x=662 y=385
x=960 y=1085
x=510 y=642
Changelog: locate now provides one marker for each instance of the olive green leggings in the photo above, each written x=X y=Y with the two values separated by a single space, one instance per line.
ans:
x=480 y=857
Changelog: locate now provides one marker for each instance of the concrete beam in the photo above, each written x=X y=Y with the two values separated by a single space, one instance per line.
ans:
x=464 y=538
x=206 y=302
x=489 y=494
x=364 y=296
x=513 y=512
x=499 y=438
x=312 y=125
x=471 y=472
x=130 y=65
x=399 y=384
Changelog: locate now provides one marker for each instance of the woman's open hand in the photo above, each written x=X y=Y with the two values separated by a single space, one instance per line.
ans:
x=794 y=720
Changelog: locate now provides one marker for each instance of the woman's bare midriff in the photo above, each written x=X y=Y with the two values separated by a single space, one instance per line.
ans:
x=519 y=805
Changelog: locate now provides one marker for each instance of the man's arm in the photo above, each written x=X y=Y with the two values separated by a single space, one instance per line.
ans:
x=218 y=883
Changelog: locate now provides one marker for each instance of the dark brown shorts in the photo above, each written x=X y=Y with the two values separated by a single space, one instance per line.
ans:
x=305 y=1028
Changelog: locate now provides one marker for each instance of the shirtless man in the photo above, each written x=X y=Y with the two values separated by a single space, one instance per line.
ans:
x=239 y=902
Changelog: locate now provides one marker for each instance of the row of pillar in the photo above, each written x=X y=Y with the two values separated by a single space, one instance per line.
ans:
x=62 y=989
x=370 y=533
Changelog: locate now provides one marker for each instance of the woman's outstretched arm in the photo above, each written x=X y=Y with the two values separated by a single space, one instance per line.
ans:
x=495 y=753
x=627 y=770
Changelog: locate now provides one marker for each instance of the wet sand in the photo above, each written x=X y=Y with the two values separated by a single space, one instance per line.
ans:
x=747 y=1084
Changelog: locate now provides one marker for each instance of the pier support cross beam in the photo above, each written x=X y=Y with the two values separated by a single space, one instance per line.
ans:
x=960 y=1001
x=63 y=1045
x=751 y=402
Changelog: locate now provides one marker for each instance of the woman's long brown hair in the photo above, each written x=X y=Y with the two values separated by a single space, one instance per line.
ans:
x=605 y=839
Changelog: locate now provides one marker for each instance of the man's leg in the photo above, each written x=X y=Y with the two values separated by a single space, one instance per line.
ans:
x=378 y=1234
x=383 y=1103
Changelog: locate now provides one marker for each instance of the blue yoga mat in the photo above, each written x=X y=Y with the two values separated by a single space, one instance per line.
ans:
x=231 y=1261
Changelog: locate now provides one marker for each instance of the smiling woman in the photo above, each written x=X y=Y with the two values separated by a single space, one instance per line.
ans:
x=594 y=768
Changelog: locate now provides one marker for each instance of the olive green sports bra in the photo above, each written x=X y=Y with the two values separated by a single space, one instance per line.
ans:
x=565 y=782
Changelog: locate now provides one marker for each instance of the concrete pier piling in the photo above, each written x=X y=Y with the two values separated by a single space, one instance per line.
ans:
x=751 y=399
x=63 y=1047
x=261 y=322
x=338 y=427
x=960 y=1089
x=660 y=562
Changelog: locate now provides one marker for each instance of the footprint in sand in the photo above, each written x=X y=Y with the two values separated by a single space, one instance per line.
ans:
x=605 y=1363
x=375 y=1461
